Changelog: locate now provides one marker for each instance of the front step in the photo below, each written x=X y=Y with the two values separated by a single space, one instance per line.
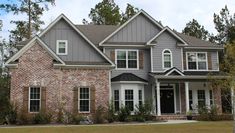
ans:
x=171 y=117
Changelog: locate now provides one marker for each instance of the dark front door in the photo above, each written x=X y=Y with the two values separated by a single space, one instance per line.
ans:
x=167 y=101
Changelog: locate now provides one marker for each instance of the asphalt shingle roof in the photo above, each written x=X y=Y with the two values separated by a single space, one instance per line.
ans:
x=127 y=77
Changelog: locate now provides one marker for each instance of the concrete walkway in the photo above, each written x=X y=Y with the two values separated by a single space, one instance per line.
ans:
x=112 y=124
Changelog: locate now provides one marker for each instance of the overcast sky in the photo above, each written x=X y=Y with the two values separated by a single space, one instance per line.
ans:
x=172 y=13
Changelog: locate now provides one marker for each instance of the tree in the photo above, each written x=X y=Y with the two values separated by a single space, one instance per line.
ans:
x=130 y=11
x=105 y=13
x=33 y=9
x=225 y=26
x=193 y=28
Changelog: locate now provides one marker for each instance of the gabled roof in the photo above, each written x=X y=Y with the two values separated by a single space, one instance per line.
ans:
x=173 y=71
x=127 y=77
x=164 y=30
x=29 y=45
x=62 y=16
x=123 y=25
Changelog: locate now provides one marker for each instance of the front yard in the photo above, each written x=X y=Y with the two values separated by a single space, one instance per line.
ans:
x=199 y=127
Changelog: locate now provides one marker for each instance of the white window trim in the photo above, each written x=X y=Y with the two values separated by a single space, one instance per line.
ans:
x=196 y=62
x=164 y=60
x=84 y=99
x=34 y=99
x=127 y=50
x=66 y=47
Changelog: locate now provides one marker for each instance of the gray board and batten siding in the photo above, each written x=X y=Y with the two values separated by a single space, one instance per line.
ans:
x=78 y=49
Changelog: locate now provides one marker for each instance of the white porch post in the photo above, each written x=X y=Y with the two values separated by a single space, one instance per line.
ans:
x=158 y=99
x=154 y=99
x=187 y=96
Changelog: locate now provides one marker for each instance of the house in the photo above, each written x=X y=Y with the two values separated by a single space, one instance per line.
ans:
x=80 y=67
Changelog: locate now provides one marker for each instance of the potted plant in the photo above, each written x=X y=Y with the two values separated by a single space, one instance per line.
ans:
x=189 y=115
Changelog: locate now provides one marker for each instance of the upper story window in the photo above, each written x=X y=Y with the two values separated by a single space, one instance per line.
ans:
x=167 y=59
x=127 y=59
x=62 y=47
x=197 y=60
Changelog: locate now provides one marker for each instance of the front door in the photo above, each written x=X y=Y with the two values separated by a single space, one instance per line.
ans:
x=167 y=101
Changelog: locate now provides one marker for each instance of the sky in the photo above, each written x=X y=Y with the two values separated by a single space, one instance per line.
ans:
x=172 y=13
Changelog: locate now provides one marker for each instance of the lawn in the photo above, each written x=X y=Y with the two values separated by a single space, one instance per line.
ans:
x=200 y=127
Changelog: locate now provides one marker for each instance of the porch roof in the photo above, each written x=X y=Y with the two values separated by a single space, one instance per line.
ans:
x=127 y=77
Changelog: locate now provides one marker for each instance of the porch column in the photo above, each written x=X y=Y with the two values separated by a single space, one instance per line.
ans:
x=158 y=99
x=154 y=99
x=187 y=96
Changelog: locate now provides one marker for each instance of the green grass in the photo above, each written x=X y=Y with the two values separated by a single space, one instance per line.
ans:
x=200 y=127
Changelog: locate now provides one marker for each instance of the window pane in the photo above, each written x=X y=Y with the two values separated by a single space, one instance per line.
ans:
x=201 y=98
x=201 y=56
x=121 y=63
x=132 y=63
x=61 y=50
x=132 y=55
x=201 y=65
x=130 y=105
x=84 y=93
x=116 y=100
x=167 y=64
x=192 y=57
x=167 y=51
x=84 y=99
x=128 y=94
x=84 y=105
x=190 y=99
x=121 y=55
x=61 y=44
x=167 y=57
x=192 y=65
x=34 y=105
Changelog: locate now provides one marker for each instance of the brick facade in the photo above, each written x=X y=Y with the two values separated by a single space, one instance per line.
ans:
x=35 y=68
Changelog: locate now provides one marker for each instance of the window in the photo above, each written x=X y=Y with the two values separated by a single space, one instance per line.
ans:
x=197 y=61
x=167 y=59
x=190 y=99
x=84 y=100
x=140 y=97
x=116 y=100
x=127 y=59
x=129 y=102
x=211 y=97
x=201 y=98
x=61 y=47
x=34 y=99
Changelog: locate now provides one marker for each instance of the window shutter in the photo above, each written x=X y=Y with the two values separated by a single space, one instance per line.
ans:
x=43 y=100
x=25 y=99
x=209 y=61
x=92 y=99
x=141 y=59
x=75 y=100
x=184 y=60
x=112 y=55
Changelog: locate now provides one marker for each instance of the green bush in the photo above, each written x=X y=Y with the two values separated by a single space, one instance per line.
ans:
x=76 y=119
x=42 y=118
x=110 y=114
x=143 y=112
x=123 y=113
x=99 y=115
x=23 y=118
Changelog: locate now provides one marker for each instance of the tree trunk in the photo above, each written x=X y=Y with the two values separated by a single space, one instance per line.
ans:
x=29 y=13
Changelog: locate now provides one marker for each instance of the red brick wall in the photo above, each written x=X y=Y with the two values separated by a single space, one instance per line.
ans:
x=35 y=67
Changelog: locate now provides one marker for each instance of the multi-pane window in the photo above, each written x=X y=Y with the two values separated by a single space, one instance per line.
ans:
x=84 y=100
x=116 y=100
x=129 y=99
x=34 y=99
x=197 y=61
x=61 y=47
x=211 y=97
x=201 y=98
x=167 y=59
x=140 y=97
x=190 y=99
x=127 y=59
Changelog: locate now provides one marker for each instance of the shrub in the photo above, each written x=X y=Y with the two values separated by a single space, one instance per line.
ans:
x=123 y=113
x=42 y=118
x=23 y=118
x=110 y=114
x=98 y=116
x=143 y=112
x=76 y=119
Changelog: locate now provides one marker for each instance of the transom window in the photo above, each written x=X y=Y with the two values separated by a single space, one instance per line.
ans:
x=84 y=100
x=201 y=98
x=127 y=59
x=129 y=99
x=62 y=47
x=167 y=59
x=116 y=100
x=34 y=99
x=197 y=61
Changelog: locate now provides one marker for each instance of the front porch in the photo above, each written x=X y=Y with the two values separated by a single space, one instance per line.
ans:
x=176 y=98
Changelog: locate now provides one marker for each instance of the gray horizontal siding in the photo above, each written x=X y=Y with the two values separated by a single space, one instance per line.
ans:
x=140 y=29
x=143 y=73
x=166 y=41
x=78 y=48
